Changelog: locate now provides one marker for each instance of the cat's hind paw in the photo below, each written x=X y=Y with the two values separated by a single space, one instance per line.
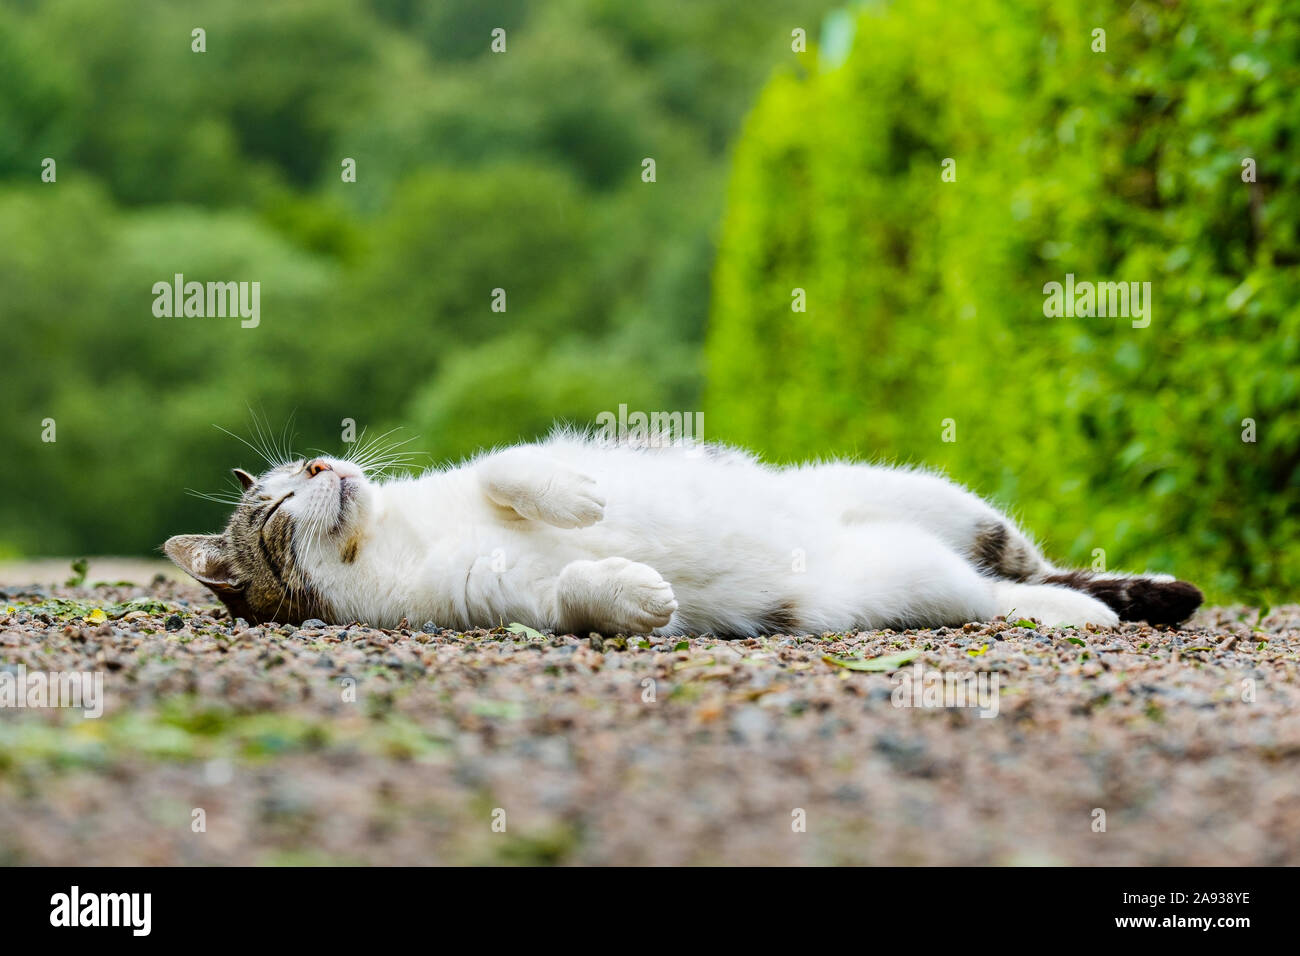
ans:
x=1055 y=606
x=614 y=596
x=645 y=600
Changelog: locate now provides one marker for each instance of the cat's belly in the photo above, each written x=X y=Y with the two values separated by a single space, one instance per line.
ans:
x=722 y=567
x=727 y=556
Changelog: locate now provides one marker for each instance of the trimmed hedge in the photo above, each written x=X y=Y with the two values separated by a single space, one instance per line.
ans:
x=925 y=298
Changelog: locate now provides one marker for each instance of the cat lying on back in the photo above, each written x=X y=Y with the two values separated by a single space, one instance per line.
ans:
x=583 y=535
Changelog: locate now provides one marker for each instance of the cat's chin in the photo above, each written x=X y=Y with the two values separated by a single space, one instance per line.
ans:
x=331 y=515
x=348 y=494
x=353 y=508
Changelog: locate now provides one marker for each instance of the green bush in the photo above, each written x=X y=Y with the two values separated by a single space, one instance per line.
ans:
x=925 y=298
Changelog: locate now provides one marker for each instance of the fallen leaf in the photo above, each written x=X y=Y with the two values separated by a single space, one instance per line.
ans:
x=887 y=662
x=526 y=631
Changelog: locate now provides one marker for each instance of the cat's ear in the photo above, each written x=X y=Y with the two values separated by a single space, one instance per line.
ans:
x=204 y=557
x=244 y=477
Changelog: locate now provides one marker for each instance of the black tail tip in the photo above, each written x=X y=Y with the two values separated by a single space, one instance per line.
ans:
x=1152 y=600
x=1163 y=602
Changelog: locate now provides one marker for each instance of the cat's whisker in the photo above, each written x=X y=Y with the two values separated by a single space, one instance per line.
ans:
x=286 y=438
x=259 y=447
x=363 y=442
x=262 y=445
x=363 y=447
x=228 y=499
x=367 y=449
x=262 y=429
x=382 y=462
x=384 y=466
x=257 y=451
x=275 y=450
x=381 y=456
x=378 y=451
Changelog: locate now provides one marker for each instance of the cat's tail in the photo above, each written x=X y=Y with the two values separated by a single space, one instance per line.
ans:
x=1154 y=598
x=999 y=549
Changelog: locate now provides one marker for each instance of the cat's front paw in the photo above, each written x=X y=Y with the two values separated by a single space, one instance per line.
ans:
x=568 y=499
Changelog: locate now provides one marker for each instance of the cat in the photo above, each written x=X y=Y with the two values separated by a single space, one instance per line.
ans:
x=579 y=534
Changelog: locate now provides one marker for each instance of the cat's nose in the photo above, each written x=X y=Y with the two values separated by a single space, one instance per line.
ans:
x=316 y=466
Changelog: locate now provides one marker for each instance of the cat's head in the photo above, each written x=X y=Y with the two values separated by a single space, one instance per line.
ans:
x=294 y=528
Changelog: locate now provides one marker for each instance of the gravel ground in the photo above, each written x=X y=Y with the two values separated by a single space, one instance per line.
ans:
x=354 y=745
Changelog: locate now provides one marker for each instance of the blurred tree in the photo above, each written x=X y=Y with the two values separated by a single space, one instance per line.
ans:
x=475 y=171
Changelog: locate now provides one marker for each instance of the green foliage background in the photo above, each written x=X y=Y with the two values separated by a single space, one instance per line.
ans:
x=476 y=171
x=523 y=171
x=925 y=298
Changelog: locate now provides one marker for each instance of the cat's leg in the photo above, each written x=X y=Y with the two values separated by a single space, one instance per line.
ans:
x=536 y=486
x=1052 y=604
x=888 y=574
x=987 y=538
x=613 y=596
x=895 y=574
x=957 y=516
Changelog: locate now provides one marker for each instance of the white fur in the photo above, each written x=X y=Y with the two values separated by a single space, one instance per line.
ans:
x=578 y=534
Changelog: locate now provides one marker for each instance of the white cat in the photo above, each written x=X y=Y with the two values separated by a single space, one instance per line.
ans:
x=579 y=535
